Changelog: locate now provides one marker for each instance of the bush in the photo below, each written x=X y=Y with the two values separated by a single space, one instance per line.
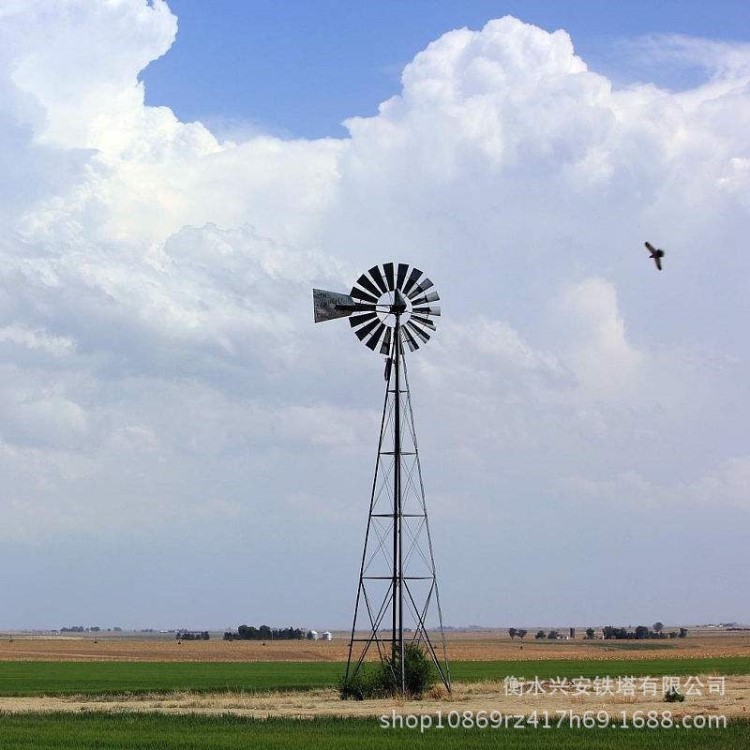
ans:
x=384 y=680
x=419 y=671
x=366 y=683
x=673 y=695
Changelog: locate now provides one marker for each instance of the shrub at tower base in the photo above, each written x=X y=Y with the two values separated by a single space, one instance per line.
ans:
x=383 y=680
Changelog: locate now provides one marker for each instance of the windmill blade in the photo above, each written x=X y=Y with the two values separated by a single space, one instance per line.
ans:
x=367 y=328
x=411 y=281
x=388 y=369
x=357 y=320
x=365 y=282
x=410 y=340
x=331 y=305
x=385 y=347
x=426 y=322
x=365 y=296
x=401 y=275
x=389 y=280
x=423 y=286
x=418 y=331
x=432 y=310
x=378 y=277
x=430 y=297
x=373 y=341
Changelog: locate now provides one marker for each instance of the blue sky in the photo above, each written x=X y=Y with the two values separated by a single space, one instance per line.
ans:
x=299 y=68
x=180 y=446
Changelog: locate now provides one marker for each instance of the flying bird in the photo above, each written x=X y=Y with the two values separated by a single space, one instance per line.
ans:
x=656 y=254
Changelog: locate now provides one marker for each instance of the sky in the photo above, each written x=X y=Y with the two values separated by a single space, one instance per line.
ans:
x=300 y=68
x=180 y=446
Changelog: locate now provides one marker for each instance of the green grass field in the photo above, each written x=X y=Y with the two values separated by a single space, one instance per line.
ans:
x=20 y=678
x=158 y=732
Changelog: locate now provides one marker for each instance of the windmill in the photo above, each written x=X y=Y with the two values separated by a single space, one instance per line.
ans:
x=391 y=310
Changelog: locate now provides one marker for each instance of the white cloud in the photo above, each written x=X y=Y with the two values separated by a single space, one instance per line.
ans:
x=36 y=340
x=601 y=356
x=724 y=61
x=155 y=296
x=724 y=486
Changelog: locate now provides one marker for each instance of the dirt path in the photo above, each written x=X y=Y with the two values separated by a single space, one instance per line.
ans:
x=475 y=697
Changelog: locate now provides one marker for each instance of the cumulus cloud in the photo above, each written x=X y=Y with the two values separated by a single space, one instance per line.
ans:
x=159 y=357
x=602 y=357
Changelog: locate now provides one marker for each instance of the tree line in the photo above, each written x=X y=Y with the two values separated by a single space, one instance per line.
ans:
x=81 y=629
x=642 y=632
x=192 y=635
x=609 y=632
x=264 y=633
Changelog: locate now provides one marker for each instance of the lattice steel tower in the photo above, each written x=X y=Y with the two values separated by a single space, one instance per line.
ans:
x=391 y=309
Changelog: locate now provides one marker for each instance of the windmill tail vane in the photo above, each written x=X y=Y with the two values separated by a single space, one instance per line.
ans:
x=391 y=309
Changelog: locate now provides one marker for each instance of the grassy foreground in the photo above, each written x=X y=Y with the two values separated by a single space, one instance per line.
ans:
x=19 y=678
x=160 y=732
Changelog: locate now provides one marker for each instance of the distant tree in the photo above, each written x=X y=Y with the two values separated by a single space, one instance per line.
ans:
x=540 y=634
x=512 y=633
x=673 y=634
x=521 y=633
x=683 y=633
x=590 y=633
x=658 y=626
x=641 y=632
x=553 y=635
